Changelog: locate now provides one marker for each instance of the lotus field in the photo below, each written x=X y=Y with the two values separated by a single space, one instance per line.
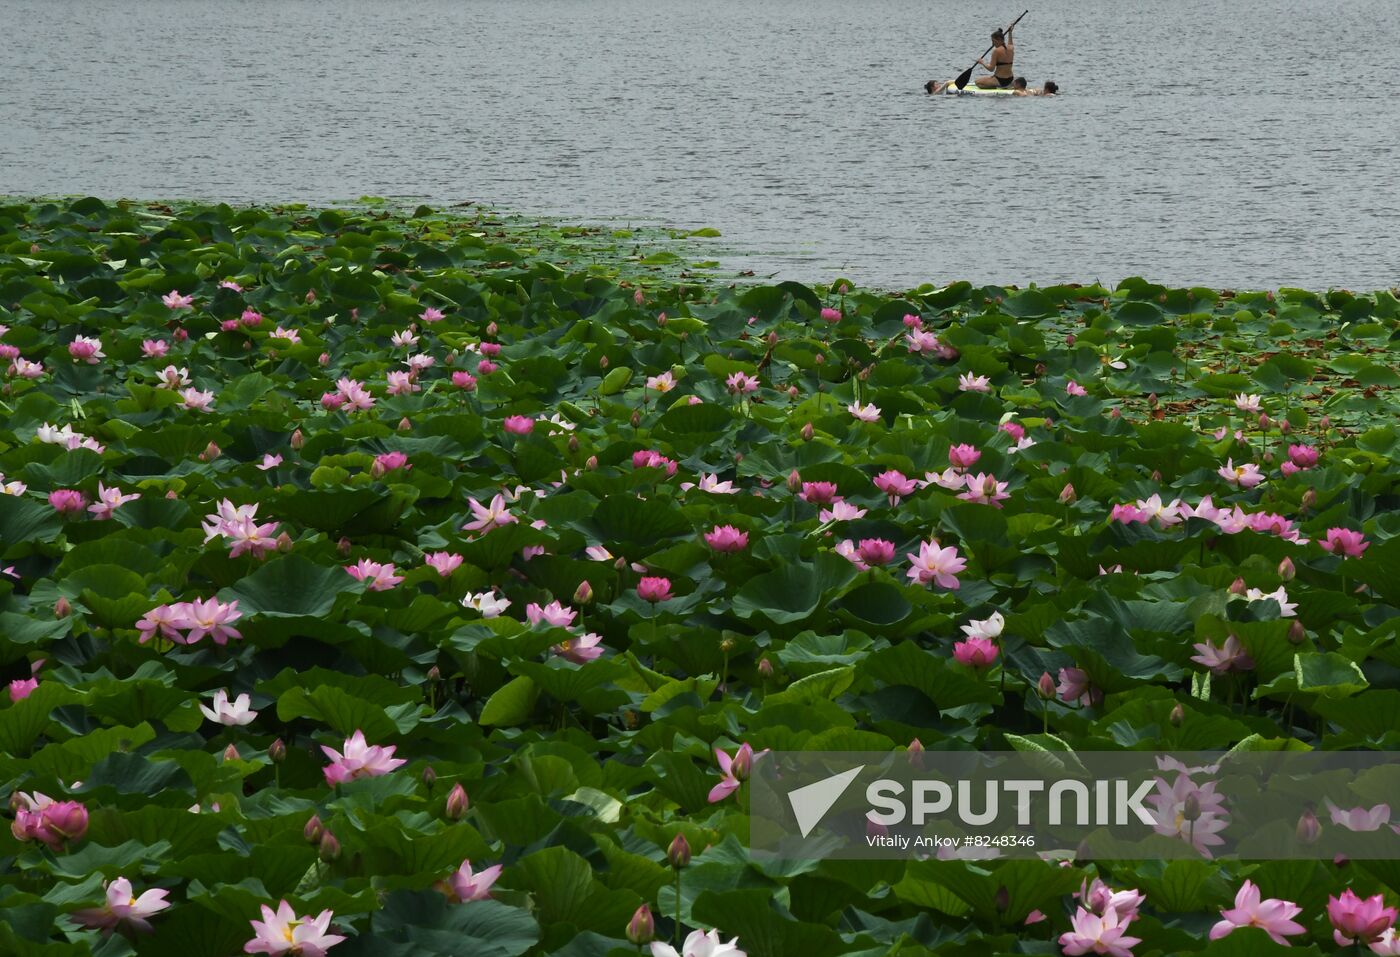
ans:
x=411 y=584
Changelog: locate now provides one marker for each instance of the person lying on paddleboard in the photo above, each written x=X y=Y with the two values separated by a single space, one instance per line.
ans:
x=1003 y=54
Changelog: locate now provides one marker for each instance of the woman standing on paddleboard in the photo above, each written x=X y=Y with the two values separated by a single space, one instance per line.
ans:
x=1003 y=54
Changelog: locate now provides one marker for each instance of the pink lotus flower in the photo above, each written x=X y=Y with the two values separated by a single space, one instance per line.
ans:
x=866 y=413
x=976 y=652
x=1099 y=898
x=735 y=770
x=921 y=341
x=444 y=563
x=86 y=350
x=984 y=489
x=332 y=401
x=1245 y=476
x=387 y=462
x=663 y=383
x=465 y=885
x=67 y=501
x=1302 y=456
x=519 y=424
x=234 y=714
x=1356 y=920
x=1165 y=515
x=379 y=577
x=1287 y=609
x=486 y=367
x=1360 y=819
x=54 y=823
x=553 y=615
x=938 y=565
x=1231 y=656
x=108 y=500
x=1273 y=916
x=1171 y=804
x=1075 y=389
x=649 y=459
x=895 y=485
x=352 y=393
x=967 y=382
x=154 y=348
x=430 y=314
x=286 y=335
x=173 y=377
x=1344 y=541
x=1386 y=943
x=488 y=517
x=401 y=383
x=173 y=300
x=700 y=943
x=359 y=760
x=741 y=384
x=963 y=456
x=581 y=649
x=207 y=616
x=22 y=688
x=26 y=369
x=283 y=932
x=818 y=493
x=831 y=315
x=727 y=538
x=123 y=906
x=712 y=485
x=1074 y=687
x=1129 y=515
x=1098 y=934
x=164 y=620
x=1014 y=429
x=250 y=319
x=654 y=589
x=1247 y=403
x=197 y=400
x=840 y=512
x=270 y=462
x=875 y=551
x=404 y=339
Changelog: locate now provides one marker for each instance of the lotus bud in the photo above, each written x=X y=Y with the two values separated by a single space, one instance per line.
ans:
x=765 y=669
x=324 y=359
x=457 y=802
x=820 y=359
x=661 y=320
x=284 y=542
x=679 y=852
x=1045 y=687
x=247 y=345
x=603 y=362
x=1040 y=368
x=1309 y=828
x=450 y=358
x=33 y=248
x=738 y=457
x=1286 y=571
x=642 y=927
x=1237 y=587
x=794 y=482
x=61 y=608
x=792 y=392
x=1263 y=420
x=277 y=751
x=1156 y=475
x=637 y=296
x=343 y=546
x=170 y=494
x=1152 y=400
x=1341 y=860
x=181 y=334
x=1115 y=414
x=573 y=443
x=210 y=453
x=915 y=752
x=1308 y=501
x=1324 y=423
x=298 y=441
x=1067 y=495
x=1297 y=634
x=620 y=564
x=1191 y=808
x=636 y=418
x=492 y=329
x=313 y=830
x=310 y=295
x=405 y=425
x=1002 y=899
x=1268 y=457
x=772 y=338
x=434 y=673
x=329 y=848
x=429 y=776
x=583 y=594
x=1069 y=339
x=1177 y=716
x=808 y=432
x=231 y=753
x=1285 y=427
x=591 y=463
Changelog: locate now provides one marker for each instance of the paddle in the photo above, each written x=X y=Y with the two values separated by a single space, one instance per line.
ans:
x=966 y=75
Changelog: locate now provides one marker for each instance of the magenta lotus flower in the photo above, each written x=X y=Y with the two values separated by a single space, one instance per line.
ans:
x=1344 y=541
x=108 y=500
x=173 y=300
x=164 y=620
x=519 y=424
x=1359 y=819
x=487 y=517
x=444 y=563
x=735 y=770
x=818 y=493
x=895 y=485
x=967 y=382
x=663 y=383
x=53 y=823
x=404 y=339
x=22 y=688
x=866 y=413
x=359 y=760
x=1074 y=686
x=1014 y=429
x=154 y=348
x=1129 y=515
x=353 y=394
x=464 y=380
x=1356 y=920
x=1092 y=933
x=387 y=462
x=250 y=319
x=936 y=564
x=401 y=383
x=984 y=489
x=246 y=536
x=1245 y=476
x=875 y=551
x=654 y=589
x=67 y=501
x=581 y=649
x=208 y=616
x=649 y=459
x=1231 y=656
x=830 y=315
x=976 y=652
x=1075 y=389
x=283 y=932
x=332 y=401
x=468 y=885
x=741 y=384
x=554 y=615
x=1302 y=456
x=1273 y=916
x=377 y=576
x=123 y=906
x=86 y=350
x=964 y=456
x=236 y=713
x=486 y=367
x=430 y=314
x=727 y=538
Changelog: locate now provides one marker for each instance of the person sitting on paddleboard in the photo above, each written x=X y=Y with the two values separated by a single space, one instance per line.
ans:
x=1003 y=54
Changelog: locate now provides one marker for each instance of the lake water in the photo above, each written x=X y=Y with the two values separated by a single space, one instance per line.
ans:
x=1249 y=143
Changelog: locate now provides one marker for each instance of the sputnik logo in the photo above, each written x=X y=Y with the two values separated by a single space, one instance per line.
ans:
x=811 y=802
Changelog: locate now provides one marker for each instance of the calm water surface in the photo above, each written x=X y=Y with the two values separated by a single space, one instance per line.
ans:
x=1249 y=143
